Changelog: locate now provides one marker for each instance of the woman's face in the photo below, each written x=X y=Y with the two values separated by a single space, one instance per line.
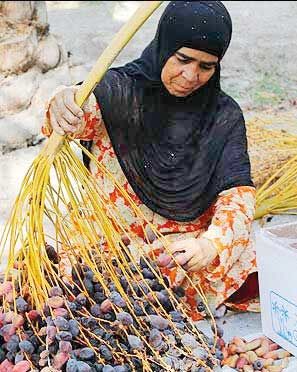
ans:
x=187 y=70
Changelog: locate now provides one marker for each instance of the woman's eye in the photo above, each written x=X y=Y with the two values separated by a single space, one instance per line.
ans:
x=182 y=60
x=207 y=68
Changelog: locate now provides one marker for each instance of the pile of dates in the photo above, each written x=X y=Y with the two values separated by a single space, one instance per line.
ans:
x=94 y=329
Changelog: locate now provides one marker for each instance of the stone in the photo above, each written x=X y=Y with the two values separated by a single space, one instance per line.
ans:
x=15 y=12
x=16 y=91
x=17 y=50
x=13 y=134
x=47 y=54
x=41 y=18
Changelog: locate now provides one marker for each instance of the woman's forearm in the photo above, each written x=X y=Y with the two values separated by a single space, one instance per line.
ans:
x=231 y=225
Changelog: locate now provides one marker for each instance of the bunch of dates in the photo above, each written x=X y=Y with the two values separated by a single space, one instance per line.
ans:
x=95 y=330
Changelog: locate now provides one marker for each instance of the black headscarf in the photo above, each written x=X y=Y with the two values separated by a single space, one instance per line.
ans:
x=178 y=153
x=202 y=25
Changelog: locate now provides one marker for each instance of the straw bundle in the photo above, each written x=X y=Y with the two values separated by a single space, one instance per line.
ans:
x=268 y=149
x=273 y=155
x=114 y=307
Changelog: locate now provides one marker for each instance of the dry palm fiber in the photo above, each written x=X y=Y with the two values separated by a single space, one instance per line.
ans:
x=273 y=155
x=268 y=149
x=112 y=308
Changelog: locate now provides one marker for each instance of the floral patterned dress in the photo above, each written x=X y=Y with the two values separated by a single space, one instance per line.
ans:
x=231 y=279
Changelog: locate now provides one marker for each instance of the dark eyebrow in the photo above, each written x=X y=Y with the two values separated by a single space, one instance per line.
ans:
x=194 y=59
x=185 y=56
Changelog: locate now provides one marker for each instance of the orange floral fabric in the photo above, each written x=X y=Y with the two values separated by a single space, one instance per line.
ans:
x=227 y=223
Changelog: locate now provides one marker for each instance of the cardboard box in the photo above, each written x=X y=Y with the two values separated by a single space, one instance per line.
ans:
x=276 y=249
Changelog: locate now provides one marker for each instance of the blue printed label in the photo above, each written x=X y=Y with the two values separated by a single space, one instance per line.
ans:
x=284 y=318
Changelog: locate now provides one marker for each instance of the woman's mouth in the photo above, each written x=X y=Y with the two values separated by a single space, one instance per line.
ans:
x=182 y=89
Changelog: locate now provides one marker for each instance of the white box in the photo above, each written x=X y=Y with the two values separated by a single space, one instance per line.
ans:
x=276 y=249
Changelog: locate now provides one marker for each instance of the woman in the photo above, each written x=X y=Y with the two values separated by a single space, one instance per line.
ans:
x=179 y=147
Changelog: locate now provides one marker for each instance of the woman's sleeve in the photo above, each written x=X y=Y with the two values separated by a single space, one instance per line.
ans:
x=91 y=120
x=230 y=228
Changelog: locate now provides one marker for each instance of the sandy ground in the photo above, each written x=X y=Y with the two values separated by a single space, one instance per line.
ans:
x=259 y=70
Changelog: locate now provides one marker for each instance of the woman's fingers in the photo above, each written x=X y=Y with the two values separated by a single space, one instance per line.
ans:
x=64 y=112
x=69 y=101
x=56 y=127
x=192 y=254
x=194 y=264
x=55 y=115
x=164 y=259
x=177 y=246
x=61 y=108
x=181 y=250
x=71 y=119
x=181 y=258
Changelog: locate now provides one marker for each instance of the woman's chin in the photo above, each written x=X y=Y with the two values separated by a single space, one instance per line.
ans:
x=180 y=93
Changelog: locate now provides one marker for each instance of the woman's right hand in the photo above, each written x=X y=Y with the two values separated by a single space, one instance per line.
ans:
x=64 y=114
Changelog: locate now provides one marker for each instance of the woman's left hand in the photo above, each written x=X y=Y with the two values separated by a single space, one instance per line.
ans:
x=192 y=254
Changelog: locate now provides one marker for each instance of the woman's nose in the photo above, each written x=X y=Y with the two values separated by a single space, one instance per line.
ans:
x=191 y=74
